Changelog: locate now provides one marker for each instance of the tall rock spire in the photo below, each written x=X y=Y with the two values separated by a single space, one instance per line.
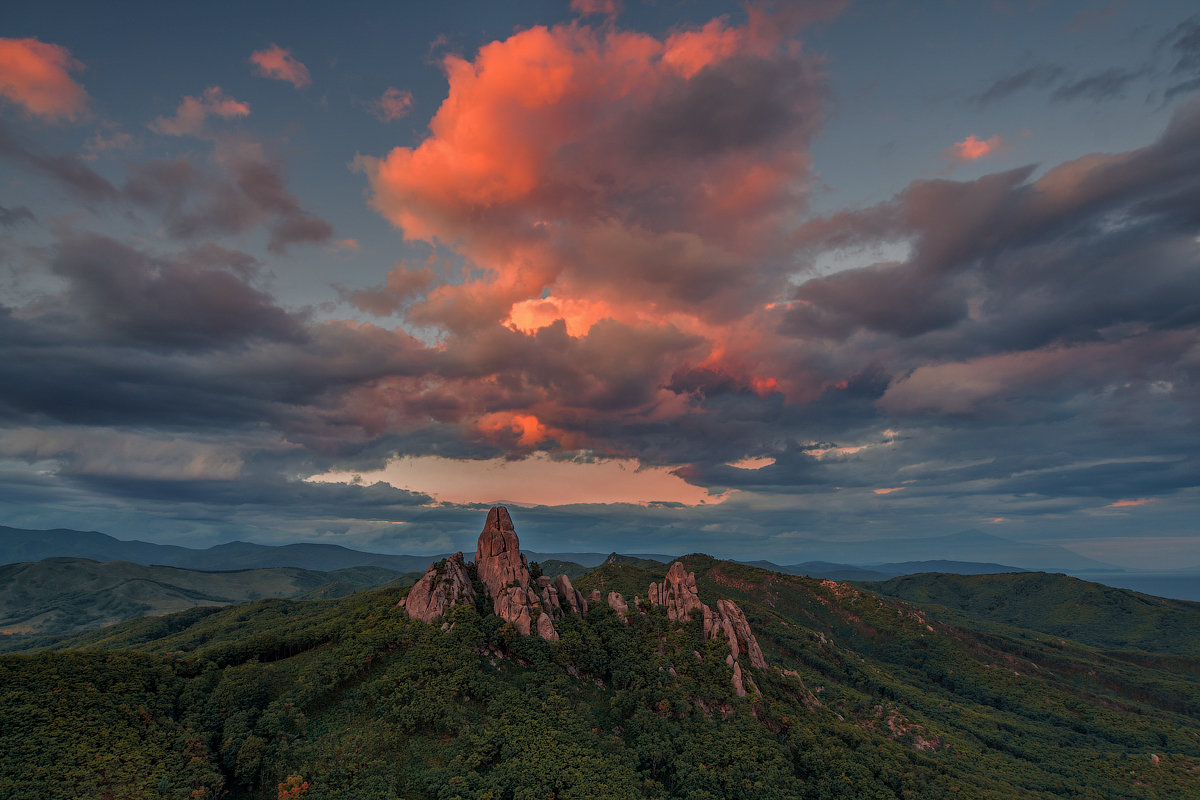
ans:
x=504 y=573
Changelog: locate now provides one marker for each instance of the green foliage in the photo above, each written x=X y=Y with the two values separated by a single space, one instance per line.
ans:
x=350 y=699
x=1104 y=617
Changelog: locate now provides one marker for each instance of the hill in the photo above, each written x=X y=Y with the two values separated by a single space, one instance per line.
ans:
x=60 y=596
x=859 y=695
x=21 y=545
x=1102 y=616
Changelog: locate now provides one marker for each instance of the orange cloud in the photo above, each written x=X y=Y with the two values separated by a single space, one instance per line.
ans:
x=193 y=111
x=278 y=63
x=889 y=490
x=393 y=105
x=591 y=166
x=603 y=8
x=1141 y=501
x=973 y=148
x=34 y=75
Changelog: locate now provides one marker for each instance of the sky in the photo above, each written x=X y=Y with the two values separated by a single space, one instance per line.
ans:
x=663 y=277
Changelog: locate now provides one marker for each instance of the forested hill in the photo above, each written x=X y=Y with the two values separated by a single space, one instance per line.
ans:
x=60 y=596
x=864 y=696
x=1102 y=616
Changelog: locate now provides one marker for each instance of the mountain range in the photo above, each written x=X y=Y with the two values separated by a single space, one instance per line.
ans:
x=991 y=687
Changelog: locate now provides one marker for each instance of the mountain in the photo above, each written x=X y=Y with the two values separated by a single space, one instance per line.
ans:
x=21 y=545
x=1101 y=616
x=970 y=545
x=862 y=695
x=59 y=596
x=593 y=559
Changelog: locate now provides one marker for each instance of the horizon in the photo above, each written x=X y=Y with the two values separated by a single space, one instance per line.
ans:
x=687 y=278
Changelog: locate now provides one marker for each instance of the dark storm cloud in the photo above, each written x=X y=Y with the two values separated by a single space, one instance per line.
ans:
x=133 y=297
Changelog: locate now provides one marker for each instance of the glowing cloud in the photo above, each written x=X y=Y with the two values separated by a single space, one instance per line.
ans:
x=1141 y=501
x=393 y=105
x=34 y=75
x=973 y=148
x=889 y=490
x=532 y=481
x=278 y=63
x=603 y=8
x=193 y=111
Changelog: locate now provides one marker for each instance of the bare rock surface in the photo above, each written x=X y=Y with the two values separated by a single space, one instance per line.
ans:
x=617 y=603
x=498 y=558
x=677 y=593
x=570 y=596
x=439 y=589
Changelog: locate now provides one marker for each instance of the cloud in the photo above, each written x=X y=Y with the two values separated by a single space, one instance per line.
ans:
x=1037 y=76
x=973 y=148
x=1141 y=501
x=603 y=8
x=68 y=171
x=202 y=300
x=1098 y=17
x=36 y=76
x=393 y=105
x=1100 y=86
x=15 y=216
x=192 y=113
x=638 y=172
x=278 y=63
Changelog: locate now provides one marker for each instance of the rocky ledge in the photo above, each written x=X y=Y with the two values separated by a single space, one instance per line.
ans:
x=533 y=606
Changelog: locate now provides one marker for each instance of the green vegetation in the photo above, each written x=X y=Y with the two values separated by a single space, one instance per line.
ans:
x=866 y=697
x=1104 y=617
x=57 y=597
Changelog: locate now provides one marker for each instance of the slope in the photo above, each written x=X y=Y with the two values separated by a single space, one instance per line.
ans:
x=1098 y=615
x=59 y=596
x=864 y=696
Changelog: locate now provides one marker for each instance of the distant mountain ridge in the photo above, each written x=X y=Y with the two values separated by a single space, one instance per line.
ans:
x=59 y=596
x=19 y=545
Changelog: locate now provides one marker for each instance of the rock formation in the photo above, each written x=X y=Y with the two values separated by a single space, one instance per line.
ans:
x=677 y=593
x=533 y=606
x=730 y=620
x=443 y=585
x=617 y=603
x=498 y=557
x=571 y=597
x=504 y=573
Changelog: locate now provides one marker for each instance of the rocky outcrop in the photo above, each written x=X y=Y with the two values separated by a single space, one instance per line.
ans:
x=617 y=603
x=498 y=557
x=443 y=585
x=545 y=628
x=570 y=597
x=504 y=573
x=729 y=620
x=677 y=593
x=595 y=596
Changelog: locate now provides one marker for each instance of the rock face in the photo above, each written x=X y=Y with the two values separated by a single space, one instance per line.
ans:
x=730 y=621
x=439 y=589
x=498 y=558
x=504 y=573
x=617 y=603
x=677 y=593
x=571 y=597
